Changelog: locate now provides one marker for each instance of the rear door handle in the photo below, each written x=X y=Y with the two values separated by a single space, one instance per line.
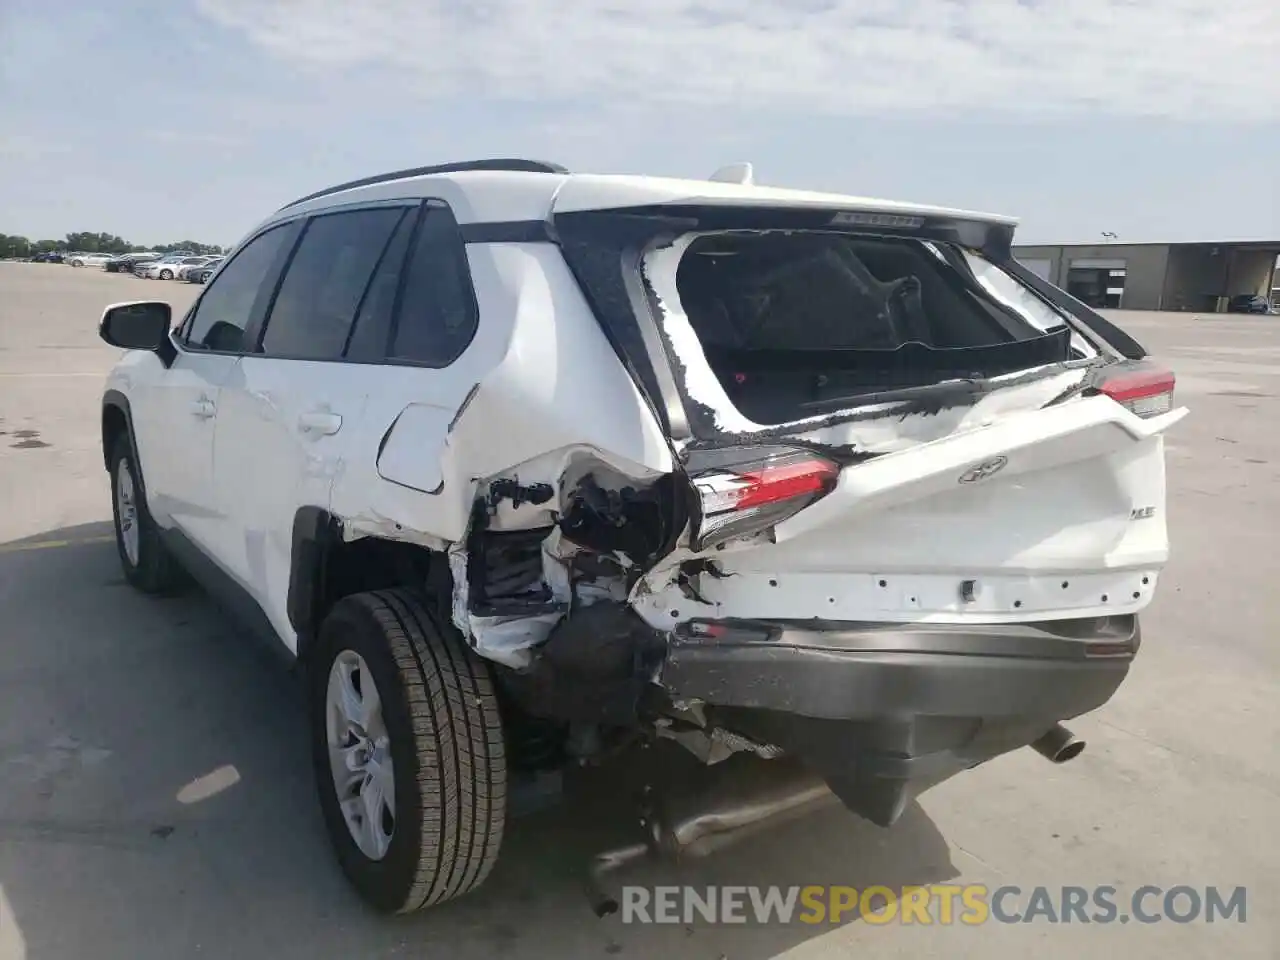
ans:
x=204 y=409
x=321 y=424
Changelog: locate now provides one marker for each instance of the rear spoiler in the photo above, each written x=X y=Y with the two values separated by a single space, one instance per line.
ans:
x=993 y=237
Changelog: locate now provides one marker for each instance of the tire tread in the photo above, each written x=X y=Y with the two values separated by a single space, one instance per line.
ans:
x=461 y=754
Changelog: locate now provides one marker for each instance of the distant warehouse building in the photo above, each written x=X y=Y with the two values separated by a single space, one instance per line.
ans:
x=1157 y=276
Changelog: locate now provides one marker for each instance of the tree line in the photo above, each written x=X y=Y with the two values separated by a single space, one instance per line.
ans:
x=86 y=242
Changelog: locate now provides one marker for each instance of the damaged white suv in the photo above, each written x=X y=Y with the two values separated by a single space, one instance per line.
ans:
x=526 y=468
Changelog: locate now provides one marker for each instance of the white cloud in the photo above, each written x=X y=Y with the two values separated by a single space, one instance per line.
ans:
x=1189 y=59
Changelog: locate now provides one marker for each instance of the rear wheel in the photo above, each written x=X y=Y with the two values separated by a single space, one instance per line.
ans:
x=408 y=751
x=166 y=274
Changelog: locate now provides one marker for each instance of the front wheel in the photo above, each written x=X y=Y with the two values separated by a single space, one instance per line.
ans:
x=408 y=753
x=146 y=561
x=166 y=274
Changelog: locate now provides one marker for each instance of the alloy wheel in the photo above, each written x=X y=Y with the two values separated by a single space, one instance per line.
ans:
x=360 y=754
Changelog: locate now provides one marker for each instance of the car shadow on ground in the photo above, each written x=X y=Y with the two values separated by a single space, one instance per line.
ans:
x=156 y=799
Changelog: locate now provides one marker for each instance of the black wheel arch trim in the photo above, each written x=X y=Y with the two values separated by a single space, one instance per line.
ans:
x=114 y=399
x=315 y=531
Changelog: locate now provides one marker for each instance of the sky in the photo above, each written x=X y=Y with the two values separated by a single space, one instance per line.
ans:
x=194 y=119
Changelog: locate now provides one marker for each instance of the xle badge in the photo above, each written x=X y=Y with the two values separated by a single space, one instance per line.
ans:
x=988 y=468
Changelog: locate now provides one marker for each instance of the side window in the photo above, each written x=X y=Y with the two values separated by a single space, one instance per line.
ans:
x=227 y=304
x=373 y=325
x=326 y=281
x=437 y=312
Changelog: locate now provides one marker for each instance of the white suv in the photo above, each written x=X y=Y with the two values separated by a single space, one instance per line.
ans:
x=524 y=468
x=170 y=267
x=88 y=259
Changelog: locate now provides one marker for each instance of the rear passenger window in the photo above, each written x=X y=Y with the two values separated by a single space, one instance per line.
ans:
x=436 y=318
x=326 y=281
x=420 y=308
x=373 y=325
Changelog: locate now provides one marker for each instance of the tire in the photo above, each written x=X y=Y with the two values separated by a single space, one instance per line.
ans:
x=438 y=721
x=166 y=274
x=147 y=563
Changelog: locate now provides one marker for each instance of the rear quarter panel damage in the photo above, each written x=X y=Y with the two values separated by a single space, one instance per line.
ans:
x=540 y=399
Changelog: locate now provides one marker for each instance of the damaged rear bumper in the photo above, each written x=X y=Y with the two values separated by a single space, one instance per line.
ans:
x=884 y=711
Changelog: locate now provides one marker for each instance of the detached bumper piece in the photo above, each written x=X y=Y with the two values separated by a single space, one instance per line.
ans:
x=885 y=711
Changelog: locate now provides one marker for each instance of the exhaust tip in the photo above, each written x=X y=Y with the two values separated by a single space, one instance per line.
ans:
x=1059 y=745
x=1069 y=752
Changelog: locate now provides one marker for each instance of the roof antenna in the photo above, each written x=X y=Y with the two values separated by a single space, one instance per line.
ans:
x=741 y=173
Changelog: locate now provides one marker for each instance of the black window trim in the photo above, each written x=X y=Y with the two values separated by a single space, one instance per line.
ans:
x=261 y=312
x=179 y=338
x=429 y=204
x=297 y=222
x=398 y=300
x=256 y=332
x=257 y=327
x=377 y=267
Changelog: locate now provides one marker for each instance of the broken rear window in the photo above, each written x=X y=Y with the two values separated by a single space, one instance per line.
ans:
x=792 y=323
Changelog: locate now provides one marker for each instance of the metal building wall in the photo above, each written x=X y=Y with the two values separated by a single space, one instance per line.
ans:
x=1145 y=265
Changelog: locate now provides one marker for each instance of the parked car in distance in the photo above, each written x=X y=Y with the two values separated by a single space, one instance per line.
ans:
x=166 y=268
x=88 y=259
x=125 y=262
x=49 y=256
x=202 y=273
x=146 y=269
x=185 y=268
x=830 y=483
x=1250 y=303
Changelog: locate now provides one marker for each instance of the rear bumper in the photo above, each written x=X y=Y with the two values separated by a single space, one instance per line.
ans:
x=850 y=671
x=884 y=711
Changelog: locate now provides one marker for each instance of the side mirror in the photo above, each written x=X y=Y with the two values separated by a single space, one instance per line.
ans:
x=143 y=325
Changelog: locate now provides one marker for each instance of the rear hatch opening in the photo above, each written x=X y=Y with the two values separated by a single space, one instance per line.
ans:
x=780 y=327
x=896 y=429
x=877 y=422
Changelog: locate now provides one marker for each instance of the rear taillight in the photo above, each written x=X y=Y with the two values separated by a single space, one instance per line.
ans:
x=745 y=491
x=1143 y=388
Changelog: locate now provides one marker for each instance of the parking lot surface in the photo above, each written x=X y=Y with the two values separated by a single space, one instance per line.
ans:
x=155 y=793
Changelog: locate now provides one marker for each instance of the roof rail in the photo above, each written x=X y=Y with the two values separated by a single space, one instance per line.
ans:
x=508 y=165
